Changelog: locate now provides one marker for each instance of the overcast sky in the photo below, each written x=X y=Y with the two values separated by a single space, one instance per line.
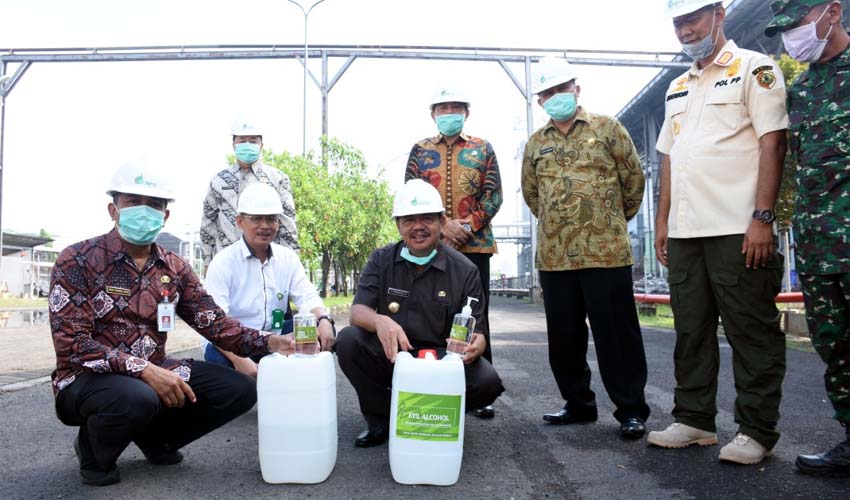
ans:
x=69 y=125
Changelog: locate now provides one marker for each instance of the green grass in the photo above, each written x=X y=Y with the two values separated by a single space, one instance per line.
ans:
x=17 y=302
x=663 y=318
x=333 y=301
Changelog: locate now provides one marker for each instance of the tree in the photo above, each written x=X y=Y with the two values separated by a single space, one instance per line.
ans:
x=342 y=213
x=787 y=190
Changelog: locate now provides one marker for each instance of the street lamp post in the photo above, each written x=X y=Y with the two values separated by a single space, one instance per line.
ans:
x=304 y=113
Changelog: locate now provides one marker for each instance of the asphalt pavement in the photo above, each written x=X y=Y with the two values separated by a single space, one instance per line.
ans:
x=514 y=456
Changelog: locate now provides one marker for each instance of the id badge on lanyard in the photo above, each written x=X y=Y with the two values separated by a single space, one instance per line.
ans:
x=165 y=314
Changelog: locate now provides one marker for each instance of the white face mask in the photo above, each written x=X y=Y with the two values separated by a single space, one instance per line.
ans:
x=802 y=42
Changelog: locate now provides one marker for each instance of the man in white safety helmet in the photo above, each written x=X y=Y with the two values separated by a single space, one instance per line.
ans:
x=582 y=179
x=218 y=223
x=464 y=170
x=406 y=298
x=254 y=279
x=113 y=300
x=722 y=147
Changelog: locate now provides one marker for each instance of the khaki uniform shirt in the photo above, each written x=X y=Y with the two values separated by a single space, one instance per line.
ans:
x=583 y=187
x=712 y=125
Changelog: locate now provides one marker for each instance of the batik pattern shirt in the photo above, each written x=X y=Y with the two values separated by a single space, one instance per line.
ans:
x=819 y=109
x=467 y=176
x=103 y=311
x=218 y=223
x=583 y=187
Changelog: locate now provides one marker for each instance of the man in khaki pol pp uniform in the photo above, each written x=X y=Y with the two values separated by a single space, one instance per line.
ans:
x=722 y=145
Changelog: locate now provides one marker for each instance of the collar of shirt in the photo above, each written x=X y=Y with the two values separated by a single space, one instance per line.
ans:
x=826 y=69
x=439 y=260
x=724 y=58
x=581 y=116
x=461 y=138
x=247 y=252
x=118 y=252
x=253 y=168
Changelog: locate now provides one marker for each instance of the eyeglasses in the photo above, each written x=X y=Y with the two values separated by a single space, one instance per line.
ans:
x=259 y=219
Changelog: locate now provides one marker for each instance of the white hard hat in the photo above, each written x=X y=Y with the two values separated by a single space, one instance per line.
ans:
x=243 y=127
x=259 y=199
x=417 y=197
x=676 y=8
x=551 y=72
x=139 y=178
x=448 y=93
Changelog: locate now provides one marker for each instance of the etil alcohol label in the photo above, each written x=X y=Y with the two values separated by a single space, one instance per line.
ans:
x=305 y=334
x=428 y=417
x=459 y=332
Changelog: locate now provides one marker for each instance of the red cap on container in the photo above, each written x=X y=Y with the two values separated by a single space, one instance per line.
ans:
x=424 y=352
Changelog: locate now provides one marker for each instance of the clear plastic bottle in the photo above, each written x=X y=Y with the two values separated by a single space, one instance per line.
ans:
x=463 y=326
x=306 y=336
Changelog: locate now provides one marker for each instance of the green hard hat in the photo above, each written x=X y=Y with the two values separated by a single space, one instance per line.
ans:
x=788 y=12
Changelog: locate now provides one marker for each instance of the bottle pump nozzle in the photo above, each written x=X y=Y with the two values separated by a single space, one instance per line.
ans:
x=467 y=309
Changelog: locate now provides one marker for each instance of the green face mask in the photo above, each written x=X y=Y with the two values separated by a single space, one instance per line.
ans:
x=419 y=261
x=140 y=225
x=450 y=124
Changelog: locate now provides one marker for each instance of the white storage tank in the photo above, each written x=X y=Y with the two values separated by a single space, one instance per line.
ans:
x=426 y=419
x=296 y=418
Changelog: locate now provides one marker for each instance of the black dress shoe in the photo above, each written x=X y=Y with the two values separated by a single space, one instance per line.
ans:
x=564 y=416
x=373 y=436
x=91 y=474
x=484 y=412
x=632 y=428
x=163 y=457
x=834 y=462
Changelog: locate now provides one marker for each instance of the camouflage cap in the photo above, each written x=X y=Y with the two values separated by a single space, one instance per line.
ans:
x=788 y=12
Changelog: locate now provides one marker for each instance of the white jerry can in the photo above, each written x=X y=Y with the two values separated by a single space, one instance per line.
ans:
x=426 y=419
x=296 y=418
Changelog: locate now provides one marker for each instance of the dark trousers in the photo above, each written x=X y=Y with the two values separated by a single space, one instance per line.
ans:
x=113 y=410
x=362 y=359
x=604 y=296
x=708 y=278
x=482 y=262
x=827 y=300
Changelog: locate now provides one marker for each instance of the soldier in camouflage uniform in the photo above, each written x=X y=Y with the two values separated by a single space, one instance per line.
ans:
x=582 y=179
x=819 y=109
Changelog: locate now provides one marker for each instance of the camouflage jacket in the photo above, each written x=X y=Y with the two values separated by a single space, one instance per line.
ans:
x=819 y=112
x=583 y=187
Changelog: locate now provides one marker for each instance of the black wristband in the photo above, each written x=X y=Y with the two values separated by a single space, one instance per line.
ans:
x=330 y=320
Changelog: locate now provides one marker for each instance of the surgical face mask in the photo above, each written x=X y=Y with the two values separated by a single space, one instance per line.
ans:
x=561 y=106
x=802 y=42
x=247 y=152
x=700 y=50
x=450 y=124
x=140 y=225
x=420 y=261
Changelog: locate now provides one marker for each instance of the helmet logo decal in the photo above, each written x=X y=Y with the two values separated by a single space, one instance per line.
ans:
x=141 y=180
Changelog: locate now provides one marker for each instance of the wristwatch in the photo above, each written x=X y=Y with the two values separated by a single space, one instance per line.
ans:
x=330 y=320
x=765 y=215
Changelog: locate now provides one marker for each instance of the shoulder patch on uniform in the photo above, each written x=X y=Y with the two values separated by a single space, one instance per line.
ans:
x=766 y=79
x=724 y=58
x=547 y=150
x=762 y=68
